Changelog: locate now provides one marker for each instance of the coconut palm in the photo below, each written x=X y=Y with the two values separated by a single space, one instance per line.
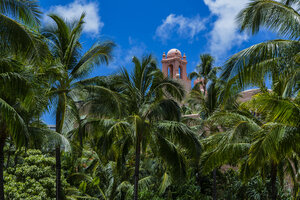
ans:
x=21 y=110
x=63 y=40
x=252 y=64
x=282 y=113
x=13 y=78
x=40 y=136
x=205 y=70
x=279 y=59
x=19 y=21
x=257 y=147
x=279 y=107
x=263 y=143
x=214 y=100
x=207 y=104
x=149 y=118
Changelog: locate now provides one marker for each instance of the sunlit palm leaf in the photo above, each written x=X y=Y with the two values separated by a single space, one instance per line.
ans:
x=252 y=58
x=27 y=11
x=14 y=123
x=273 y=15
x=100 y=53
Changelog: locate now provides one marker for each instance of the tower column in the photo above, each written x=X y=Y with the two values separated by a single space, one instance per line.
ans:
x=165 y=69
x=174 y=61
x=164 y=65
x=176 y=70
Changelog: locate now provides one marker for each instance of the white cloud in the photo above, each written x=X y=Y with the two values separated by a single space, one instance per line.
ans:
x=73 y=10
x=184 y=27
x=224 y=34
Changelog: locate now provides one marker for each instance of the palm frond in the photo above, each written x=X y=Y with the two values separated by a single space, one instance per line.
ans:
x=251 y=62
x=179 y=133
x=12 y=81
x=171 y=88
x=227 y=154
x=100 y=53
x=171 y=155
x=228 y=120
x=14 y=123
x=145 y=182
x=273 y=15
x=103 y=101
x=165 y=109
x=165 y=183
x=26 y=11
x=206 y=64
x=193 y=75
x=20 y=39
x=277 y=109
x=48 y=139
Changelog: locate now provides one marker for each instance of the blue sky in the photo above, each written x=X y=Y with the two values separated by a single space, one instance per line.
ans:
x=141 y=27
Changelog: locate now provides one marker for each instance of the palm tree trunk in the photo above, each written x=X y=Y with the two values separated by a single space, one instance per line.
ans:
x=58 y=174
x=2 y=143
x=137 y=167
x=16 y=158
x=215 y=184
x=204 y=86
x=273 y=181
x=60 y=117
x=8 y=156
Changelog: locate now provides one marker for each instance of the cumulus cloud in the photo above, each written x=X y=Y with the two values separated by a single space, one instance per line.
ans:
x=184 y=27
x=73 y=10
x=224 y=34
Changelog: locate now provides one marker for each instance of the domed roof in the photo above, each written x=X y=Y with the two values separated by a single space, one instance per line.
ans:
x=173 y=53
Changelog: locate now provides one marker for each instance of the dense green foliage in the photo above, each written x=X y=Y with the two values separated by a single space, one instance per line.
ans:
x=33 y=177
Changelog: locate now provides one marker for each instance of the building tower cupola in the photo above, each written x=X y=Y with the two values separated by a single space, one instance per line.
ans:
x=174 y=67
x=174 y=53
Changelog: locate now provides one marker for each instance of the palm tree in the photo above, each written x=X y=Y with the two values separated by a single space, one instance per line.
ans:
x=21 y=110
x=277 y=58
x=21 y=47
x=63 y=40
x=282 y=113
x=148 y=118
x=205 y=70
x=252 y=64
x=19 y=21
x=263 y=143
x=252 y=145
x=207 y=104
x=40 y=136
x=13 y=78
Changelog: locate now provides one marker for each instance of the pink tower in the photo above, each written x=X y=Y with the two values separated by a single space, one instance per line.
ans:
x=174 y=66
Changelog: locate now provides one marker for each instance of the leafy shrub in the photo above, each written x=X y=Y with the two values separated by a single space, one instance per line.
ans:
x=255 y=189
x=33 y=179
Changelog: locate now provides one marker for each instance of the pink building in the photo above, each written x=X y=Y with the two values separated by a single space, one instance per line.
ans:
x=174 y=66
x=202 y=84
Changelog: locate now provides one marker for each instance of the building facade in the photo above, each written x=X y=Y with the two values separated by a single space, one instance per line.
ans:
x=174 y=66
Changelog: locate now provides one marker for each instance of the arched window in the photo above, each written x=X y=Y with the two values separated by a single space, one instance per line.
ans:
x=170 y=71
x=180 y=72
